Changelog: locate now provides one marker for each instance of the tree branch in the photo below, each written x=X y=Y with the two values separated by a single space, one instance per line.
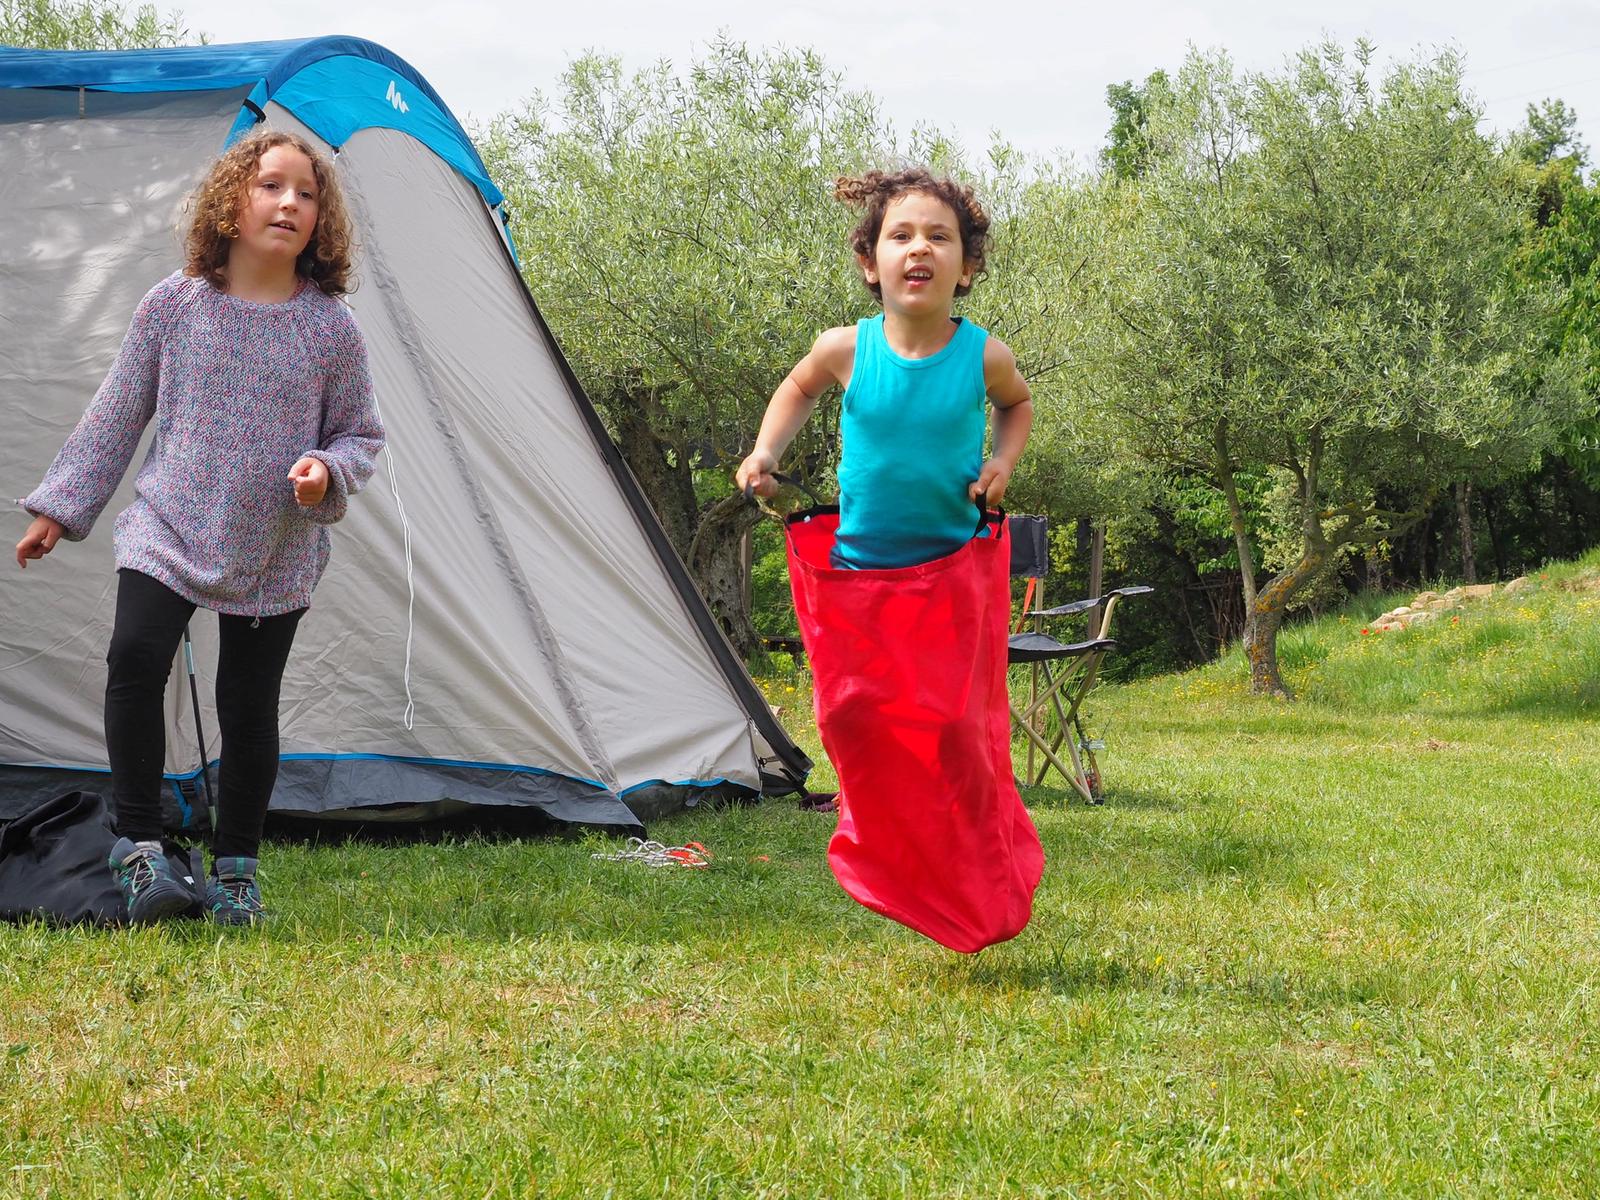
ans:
x=1122 y=316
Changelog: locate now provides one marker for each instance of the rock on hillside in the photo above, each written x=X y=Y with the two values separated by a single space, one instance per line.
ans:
x=1428 y=605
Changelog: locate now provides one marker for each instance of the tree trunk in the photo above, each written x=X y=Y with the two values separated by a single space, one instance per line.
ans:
x=1261 y=645
x=1097 y=563
x=665 y=476
x=747 y=562
x=1266 y=618
x=1212 y=641
x=709 y=544
x=716 y=560
x=1430 y=553
x=1576 y=541
x=1496 y=545
x=1469 y=561
x=1201 y=646
x=1542 y=507
x=1272 y=602
x=1241 y=532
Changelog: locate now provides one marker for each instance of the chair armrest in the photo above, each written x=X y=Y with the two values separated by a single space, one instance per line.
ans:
x=1066 y=610
x=1111 y=598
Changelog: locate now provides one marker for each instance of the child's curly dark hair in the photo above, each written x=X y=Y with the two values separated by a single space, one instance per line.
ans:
x=215 y=205
x=873 y=192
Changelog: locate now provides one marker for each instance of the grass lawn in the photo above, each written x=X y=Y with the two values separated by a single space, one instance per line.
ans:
x=1348 y=946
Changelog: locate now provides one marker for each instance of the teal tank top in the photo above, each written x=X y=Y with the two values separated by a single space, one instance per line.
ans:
x=912 y=433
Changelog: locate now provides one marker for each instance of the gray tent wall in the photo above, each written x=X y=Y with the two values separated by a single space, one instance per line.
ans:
x=503 y=622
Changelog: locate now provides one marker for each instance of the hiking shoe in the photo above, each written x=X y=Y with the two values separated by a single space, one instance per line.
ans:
x=147 y=883
x=232 y=897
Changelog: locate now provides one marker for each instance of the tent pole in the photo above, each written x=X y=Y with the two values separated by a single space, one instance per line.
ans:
x=199 y=733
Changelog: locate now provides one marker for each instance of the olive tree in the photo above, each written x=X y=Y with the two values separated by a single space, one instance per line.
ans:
x=1312 y=277
x=680 y=234
x=88 y=25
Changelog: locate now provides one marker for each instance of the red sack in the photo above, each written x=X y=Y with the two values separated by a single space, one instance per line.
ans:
x=909 y=666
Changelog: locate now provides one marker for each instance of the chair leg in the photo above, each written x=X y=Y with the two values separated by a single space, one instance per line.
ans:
x=1077 y=777
x=1087 y=781
x=1051 y=694
x=1037 y=740
x=1079 y=780
x=1091 y=774
x=1033 y=683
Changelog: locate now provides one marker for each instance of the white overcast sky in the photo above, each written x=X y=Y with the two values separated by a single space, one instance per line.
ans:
x=1033 y=70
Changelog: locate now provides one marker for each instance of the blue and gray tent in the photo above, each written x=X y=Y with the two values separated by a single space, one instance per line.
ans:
x=504 y=623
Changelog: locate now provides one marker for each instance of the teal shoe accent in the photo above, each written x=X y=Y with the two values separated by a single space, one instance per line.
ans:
x=147 y=883
x=232 y=897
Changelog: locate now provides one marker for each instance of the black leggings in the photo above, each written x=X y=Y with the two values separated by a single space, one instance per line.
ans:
x=150 y=622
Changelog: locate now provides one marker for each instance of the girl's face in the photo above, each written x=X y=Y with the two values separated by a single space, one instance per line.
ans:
x=918 y=260
x=279 y=213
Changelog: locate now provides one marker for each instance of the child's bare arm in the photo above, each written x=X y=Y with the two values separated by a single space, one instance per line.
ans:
x=1013 y=420
x=827 y=363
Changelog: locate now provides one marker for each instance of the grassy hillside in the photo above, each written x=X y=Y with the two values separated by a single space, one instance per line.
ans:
x=1535 y=653
x=1347 y=946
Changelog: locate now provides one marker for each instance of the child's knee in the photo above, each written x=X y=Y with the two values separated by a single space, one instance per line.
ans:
x=138 y=655
x=247 y=706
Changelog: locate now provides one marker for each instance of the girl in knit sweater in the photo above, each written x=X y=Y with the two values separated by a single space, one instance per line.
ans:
x=257 y=378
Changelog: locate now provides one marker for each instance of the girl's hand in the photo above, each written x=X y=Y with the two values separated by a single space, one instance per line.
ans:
x=991 y=482
x=40 y=539
x=310 y=479
x=755 y=474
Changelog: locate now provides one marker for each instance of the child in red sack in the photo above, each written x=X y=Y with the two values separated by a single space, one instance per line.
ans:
x=907 y=609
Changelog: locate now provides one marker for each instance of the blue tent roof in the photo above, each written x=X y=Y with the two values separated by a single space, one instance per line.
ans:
x=334 y=85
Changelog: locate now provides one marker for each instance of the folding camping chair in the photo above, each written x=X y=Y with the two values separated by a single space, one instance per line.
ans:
x=1069 y=670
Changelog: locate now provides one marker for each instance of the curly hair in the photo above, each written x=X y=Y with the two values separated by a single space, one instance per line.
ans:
x=876 y=189
x=215 y=205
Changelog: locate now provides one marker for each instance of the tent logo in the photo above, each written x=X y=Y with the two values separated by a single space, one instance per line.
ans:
x=394 y=97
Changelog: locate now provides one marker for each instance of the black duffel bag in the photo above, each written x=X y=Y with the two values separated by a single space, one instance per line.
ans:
x=53 y=865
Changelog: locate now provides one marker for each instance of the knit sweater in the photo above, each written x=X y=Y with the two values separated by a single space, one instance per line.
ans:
x=239 y=391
